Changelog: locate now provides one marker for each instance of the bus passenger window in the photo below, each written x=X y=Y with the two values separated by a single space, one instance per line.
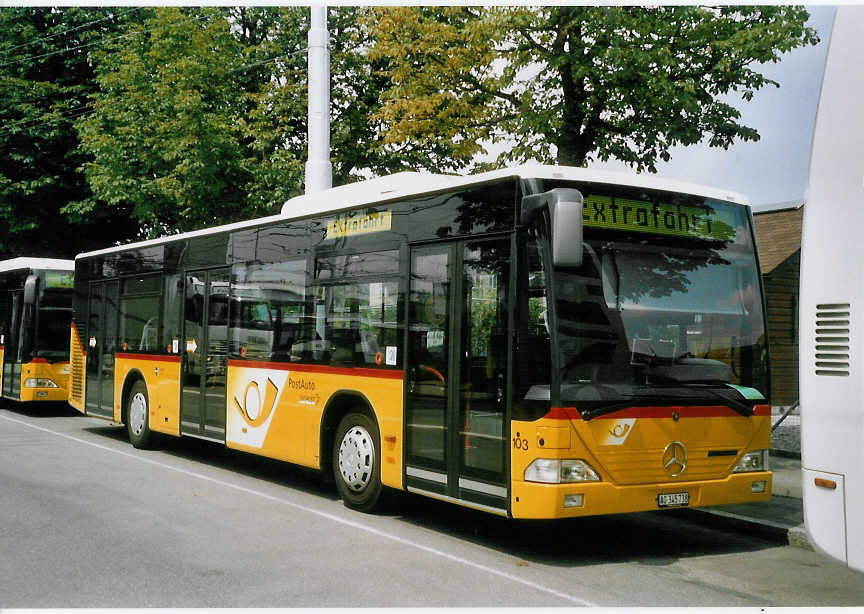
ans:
x=355 y=307
x=266 y=310
x=139 y=314
x=360 y=322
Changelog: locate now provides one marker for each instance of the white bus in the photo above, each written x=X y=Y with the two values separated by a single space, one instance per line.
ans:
x=832 y=304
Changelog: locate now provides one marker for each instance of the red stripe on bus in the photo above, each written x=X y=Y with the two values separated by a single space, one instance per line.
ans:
x=153 y=357
x=686 y=411
x=39 y=361
x=293 y=366
x=563 y=413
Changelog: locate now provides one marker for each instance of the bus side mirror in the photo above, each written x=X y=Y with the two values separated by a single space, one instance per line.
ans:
x=28 y=318
x=31 y=289
x=565 y=215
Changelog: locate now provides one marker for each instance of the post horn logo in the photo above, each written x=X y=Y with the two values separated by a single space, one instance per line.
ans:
x=254 y=411
x=675 y=459
x=620 y=430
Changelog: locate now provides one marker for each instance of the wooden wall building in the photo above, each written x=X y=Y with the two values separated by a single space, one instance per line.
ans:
x=778 y=235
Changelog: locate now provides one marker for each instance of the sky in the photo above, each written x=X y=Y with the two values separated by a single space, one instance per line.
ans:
x=773 y=169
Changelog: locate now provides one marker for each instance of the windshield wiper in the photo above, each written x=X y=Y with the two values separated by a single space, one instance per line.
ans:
x=594 y=412
x=734 y=404
x=662 y=396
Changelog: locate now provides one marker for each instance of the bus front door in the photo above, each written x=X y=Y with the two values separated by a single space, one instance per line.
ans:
x=101 y=345
x=205 y=356
x=457 y=370
x=11 y=366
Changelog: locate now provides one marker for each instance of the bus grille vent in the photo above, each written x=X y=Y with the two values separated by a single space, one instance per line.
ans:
x=832 y=339
x=77 y=359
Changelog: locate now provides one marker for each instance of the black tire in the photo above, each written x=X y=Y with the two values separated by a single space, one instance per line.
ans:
x=357 y=462
x=138 y=416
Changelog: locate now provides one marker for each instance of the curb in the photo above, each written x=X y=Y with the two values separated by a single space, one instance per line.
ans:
x=764 y=529
x=785 y=454
x=798 y=538
x=770 y=531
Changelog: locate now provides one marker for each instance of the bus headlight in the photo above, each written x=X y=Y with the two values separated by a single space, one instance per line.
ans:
x=757 y=460
x=560 y=471
x=39 y=382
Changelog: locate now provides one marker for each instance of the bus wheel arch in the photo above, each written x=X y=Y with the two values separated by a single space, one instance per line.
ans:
x=133 y=376
x=350 y=432
x=135 y=408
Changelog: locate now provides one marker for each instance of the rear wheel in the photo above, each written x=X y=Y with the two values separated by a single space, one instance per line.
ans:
x=138 y=416
x=357 y=462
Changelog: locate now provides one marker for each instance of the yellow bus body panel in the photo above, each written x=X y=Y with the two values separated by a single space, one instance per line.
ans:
x=57 y=372
x=162 y=377
x=277 y=412
x=628 y=455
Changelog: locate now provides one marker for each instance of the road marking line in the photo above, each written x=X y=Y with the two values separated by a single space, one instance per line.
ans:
x=350 y=523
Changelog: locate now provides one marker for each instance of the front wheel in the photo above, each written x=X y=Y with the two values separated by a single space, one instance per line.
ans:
x=357 y=462
x=138 y=416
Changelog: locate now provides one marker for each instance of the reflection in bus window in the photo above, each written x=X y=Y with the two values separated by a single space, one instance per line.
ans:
x=52 y=325
x=354 y=312
x=360 y=322
x=267 y=303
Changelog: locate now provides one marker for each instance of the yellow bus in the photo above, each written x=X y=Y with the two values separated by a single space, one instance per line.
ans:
x=35 y=311
x=536 y=342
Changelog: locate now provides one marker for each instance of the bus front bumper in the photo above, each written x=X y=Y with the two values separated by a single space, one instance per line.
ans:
x=533 y=500
x=44 y=394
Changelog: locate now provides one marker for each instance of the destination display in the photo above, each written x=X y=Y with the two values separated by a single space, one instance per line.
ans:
x=59 y=279
x=658 y=218
x=376 y=221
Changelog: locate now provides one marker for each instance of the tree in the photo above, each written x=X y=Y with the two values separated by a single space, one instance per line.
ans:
x=356 y=84
x=200 y=117
x=45 y=80
x=573 y=84
x=167 y=133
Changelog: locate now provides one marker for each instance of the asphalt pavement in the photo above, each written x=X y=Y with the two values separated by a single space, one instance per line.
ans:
x=90 y=521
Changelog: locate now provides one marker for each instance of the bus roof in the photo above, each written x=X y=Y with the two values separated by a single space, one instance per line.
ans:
x=404 y=185
x=50 y=264
x=411 y=184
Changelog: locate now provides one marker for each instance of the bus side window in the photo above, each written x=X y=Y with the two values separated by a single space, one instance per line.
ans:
x=360 y=322
x=139 y=313
x=266 y=310
x=534 y=353
x=354 y=308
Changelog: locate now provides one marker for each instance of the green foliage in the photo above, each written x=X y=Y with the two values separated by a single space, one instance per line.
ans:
x=200 y=116
x=572 y=84
x=141 y=121
x=169 y=135
x=45 y=80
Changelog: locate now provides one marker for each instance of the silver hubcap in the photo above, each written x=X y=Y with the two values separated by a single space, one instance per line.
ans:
x=138 y=413
x=356 y=458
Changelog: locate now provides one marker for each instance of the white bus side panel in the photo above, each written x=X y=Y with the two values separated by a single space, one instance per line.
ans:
x=832 y=386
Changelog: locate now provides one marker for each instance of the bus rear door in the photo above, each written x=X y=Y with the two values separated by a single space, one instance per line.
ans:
x=205 y=359
x=101 y=346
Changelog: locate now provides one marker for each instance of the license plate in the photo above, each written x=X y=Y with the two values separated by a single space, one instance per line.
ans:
x=673 y=499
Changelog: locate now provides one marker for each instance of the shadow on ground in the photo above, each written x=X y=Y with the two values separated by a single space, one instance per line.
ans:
x=40 y=409
x=216 y=455
x=649 y=538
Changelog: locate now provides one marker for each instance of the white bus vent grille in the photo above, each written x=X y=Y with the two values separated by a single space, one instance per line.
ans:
x=832 y=339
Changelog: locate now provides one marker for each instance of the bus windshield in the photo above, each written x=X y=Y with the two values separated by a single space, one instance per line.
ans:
x=53 y=318
x=661 y=316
